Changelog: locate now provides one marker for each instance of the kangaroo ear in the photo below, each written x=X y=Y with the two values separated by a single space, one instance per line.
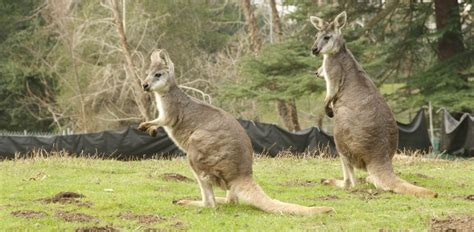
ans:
x=156 y=56
x=340 y=20
x=317 y=22
x=169 y=63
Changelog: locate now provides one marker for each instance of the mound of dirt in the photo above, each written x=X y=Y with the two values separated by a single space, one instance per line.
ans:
x=295 y=183
x=175 y=177
x=97 y=229
x=452 y=224
x=67 y=198
x=28 y=214
x=74 y=217
x=141 y=218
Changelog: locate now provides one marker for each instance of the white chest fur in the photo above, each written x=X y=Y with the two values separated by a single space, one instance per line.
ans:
x=329 y=89
x=163 y=117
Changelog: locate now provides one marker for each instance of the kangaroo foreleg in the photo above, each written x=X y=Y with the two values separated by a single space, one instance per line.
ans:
x=151 y=127
x=328 y=109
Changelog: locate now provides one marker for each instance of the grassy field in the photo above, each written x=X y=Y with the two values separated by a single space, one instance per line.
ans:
x=136 y=196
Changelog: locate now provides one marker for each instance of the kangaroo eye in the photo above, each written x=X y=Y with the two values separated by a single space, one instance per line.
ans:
x=327 y=37
x=157 y=75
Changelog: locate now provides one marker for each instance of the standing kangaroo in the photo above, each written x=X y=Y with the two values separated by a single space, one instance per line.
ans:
x=365 y=131
x=218 y=148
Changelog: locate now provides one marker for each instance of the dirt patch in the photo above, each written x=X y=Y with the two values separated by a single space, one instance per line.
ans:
x=28 y=214
x=367 y=194
x=470 y=197
x=142 y=218
x=423 y=176
x=75 y=217
x=67 y=198
x=295 y=183
x=175 y=177
x=452 y=224
x=329 y=197
x=97 y=229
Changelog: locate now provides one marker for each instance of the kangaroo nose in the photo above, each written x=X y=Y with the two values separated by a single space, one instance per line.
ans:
x=146 y=86
x=315 y=51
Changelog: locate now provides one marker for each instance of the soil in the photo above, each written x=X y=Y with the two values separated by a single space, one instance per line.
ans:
x=423 y=176
x=305 y=183
x=67 y=198
x=452 y=224
x=367 y=194
x=175 y=177
x=329 y=197
x=470 y=197
x=28 y=214
x=97 y=229
x=74 y=217
x=142 y=218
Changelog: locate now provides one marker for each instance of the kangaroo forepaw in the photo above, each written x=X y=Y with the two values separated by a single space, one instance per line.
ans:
x=152 y=131
x=329 y=111
x=144 y=126
x=319 y=72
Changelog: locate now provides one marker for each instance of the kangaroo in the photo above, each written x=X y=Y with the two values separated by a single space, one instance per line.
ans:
x=365 y=131
x=218 y=148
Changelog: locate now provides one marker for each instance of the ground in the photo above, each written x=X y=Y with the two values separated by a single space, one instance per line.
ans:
x=67 y=194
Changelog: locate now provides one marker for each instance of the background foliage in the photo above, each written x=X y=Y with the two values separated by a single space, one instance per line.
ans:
x=62 y=64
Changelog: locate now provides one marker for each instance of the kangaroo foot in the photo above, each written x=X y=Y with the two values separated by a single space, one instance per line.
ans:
x=322 y=209
x=337 y=183
x=194 y=203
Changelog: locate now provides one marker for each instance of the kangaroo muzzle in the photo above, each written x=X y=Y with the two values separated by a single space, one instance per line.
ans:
x=315 y=51
x=146 y=87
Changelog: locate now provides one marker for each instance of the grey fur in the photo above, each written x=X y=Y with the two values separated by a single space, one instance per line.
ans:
x=365 y=131
x=218 y=148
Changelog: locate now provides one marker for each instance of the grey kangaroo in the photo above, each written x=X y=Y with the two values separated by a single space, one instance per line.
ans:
x=365 y=131
x=218 y=148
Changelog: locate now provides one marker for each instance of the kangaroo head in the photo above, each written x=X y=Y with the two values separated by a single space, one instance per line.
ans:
x=329 y=38
x=160 y=75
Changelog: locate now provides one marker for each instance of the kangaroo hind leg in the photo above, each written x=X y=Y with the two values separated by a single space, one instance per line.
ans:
x=349 y=179
x=207 y=194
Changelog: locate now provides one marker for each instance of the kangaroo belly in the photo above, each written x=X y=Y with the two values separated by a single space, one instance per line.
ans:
x=364 y=134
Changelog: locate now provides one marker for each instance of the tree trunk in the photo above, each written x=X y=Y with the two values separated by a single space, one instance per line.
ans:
x=293 y=115
x=448 y=21
x=252 y=27
x=283 y=112
x=140 y=97
x=275 y=21
x=286 y=109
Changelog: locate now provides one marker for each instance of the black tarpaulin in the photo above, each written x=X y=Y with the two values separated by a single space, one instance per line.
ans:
x=127 y=143
x=130 y=143
x=271 y=139
x=414 y=136
x=457 y=136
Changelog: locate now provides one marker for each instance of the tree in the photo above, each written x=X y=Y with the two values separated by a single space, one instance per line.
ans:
x=286 y=109
x=251 y=22
x=448 y=23
x=281 y=72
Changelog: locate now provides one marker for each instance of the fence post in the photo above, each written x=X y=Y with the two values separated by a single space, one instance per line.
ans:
x=430 y=109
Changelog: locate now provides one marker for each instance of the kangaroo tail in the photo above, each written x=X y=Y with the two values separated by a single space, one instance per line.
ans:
x=250 y=192
x=386 y=179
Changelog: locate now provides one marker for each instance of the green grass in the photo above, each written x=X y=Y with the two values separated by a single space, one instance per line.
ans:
x=138 y=187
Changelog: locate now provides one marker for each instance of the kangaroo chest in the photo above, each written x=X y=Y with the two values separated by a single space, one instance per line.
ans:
x=164 y=116
x=331 y=80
